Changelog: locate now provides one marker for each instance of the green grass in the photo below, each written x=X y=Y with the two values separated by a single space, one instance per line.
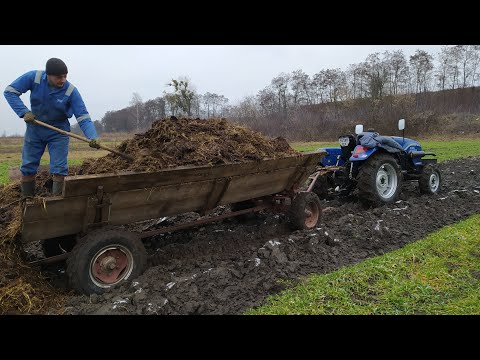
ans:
x=437 y=275
x=4 y=165
x=313 y=146
x=10 y=151
x=452 y=149
x=445 y=150
x=4 y=171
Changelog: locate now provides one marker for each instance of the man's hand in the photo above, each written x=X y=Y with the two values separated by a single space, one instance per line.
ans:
x=29 y=117
x=94 y=144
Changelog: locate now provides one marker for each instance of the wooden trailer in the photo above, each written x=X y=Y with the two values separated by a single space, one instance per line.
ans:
x=92 y=207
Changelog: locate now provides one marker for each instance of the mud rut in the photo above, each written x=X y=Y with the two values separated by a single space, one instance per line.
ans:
x=229 y=267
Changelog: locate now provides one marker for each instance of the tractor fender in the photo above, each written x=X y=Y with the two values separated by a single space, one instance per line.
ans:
x=361 y=153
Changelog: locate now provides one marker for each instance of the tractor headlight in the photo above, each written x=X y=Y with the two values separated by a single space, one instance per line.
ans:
x=344 y=141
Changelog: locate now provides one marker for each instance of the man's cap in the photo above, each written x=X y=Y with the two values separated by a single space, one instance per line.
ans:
x=56 y=67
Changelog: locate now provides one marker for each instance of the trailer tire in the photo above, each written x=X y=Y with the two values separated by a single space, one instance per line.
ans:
x=104 y=259
x=305 y=211
x=379 y=180
x=430 y=180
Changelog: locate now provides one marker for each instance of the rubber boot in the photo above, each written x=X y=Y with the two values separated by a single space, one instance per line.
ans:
x=57 y=186
x=27 y=186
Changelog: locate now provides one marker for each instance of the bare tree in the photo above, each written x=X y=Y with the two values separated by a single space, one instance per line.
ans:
x=329 y=79
x=363 y=71
x=454 y=58
x=377 y=74
x=470 y=59
x=121 y=120
x=267 y=100
x=220 y=103
x=475 y=63
x=171 y=101
x=208 y=101
x=320 y=86
x=442 y=70
x=247 y=110
x=280 y=86
x=152 y=110
x=136 y=103
x=466 y=56
x=300 y=84
x=397 y=69
x=422 y=65
x=353 y=76
x=196 y=104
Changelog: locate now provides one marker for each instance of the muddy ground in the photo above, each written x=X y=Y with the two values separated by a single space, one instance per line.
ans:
x=229 y=267
x=168 y=143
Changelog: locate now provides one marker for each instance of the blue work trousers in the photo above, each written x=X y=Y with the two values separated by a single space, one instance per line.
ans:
x=36 y=138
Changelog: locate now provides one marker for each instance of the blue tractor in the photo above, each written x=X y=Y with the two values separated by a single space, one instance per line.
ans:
x=375 y=167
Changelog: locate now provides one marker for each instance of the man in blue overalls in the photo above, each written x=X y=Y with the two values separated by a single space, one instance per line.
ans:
x=53 y=100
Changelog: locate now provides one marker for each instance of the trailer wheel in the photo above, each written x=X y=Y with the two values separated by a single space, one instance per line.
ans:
x=104 y=259
x=430 y=180
x=379 y=180
x=305 y=211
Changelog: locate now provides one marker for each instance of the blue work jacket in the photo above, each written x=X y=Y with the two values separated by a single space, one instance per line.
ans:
x=50 y=105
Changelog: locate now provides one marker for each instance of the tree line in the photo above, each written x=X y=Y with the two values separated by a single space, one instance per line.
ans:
x=294 y=100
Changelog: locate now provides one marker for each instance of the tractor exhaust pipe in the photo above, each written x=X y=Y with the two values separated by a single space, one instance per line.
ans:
x=416 y=154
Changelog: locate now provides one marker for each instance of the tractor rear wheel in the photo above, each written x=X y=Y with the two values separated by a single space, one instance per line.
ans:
x=379 y=180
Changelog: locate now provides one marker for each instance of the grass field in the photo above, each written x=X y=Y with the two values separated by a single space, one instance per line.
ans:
x=445 y=150
x=11 y=150
x=437 y=275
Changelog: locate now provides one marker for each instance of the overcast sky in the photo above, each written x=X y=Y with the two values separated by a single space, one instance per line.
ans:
x=108 y=75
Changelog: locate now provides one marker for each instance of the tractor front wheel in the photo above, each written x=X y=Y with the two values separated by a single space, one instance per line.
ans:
x=430 y=180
